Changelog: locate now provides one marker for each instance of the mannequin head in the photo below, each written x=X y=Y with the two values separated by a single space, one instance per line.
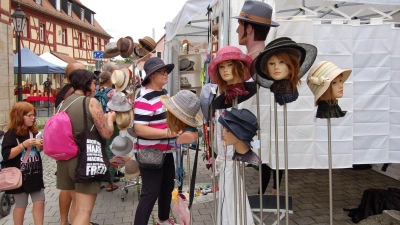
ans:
x=255 y=32
x=334 y=91
x=231 y=139
x=284 y=65
x=230 y=72
x=230 y=66
x=174 y=124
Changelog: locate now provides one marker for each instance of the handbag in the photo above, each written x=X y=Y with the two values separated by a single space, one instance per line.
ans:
x=11 y=177
x=93 y=163
x=150 y=158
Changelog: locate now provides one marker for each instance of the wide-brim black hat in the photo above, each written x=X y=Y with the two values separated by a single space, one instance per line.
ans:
x=257 y=12
x=154 y=64
x=306 y=54
x=219 y=102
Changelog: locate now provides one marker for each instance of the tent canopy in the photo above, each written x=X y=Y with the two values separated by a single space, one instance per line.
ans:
x=53 y=59
x=33 y=64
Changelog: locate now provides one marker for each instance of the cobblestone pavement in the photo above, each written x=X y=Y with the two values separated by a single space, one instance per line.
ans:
x=309 y=189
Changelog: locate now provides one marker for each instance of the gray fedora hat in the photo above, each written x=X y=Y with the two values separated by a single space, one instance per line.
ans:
x=257 y=12
x=111 y=50
x=121 y=145
x=243 y=128
x=185 y=105
x=185 y=64
x=154 y=64
x=306 y=54
x=119 y=103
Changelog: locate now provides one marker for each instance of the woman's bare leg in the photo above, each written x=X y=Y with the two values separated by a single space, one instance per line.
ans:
x=18 y=216
x=38 y=212
x=84 y=204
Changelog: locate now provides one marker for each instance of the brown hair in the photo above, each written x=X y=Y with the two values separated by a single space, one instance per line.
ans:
x=328 y=94
x=260 y=31
x=17 y=119
x=239 y=70
x=174 y=124
x=293 y=64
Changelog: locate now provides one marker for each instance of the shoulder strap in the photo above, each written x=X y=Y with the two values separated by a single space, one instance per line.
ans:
x=107 y=89
x=28 y=150
x=84 y=113
x=59 y=107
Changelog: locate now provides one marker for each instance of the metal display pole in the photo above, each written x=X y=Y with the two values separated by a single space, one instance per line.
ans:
x=189 y=179
x=244 y=194
x=286 y=163
x=277 y=163
x=259 y=150
x=330 y=172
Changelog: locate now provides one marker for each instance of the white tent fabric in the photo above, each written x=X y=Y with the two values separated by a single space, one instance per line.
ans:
x=379 y=2
x=53 y=59
x=394 y=128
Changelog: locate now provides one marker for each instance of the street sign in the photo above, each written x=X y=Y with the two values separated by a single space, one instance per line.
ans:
x=98 y=54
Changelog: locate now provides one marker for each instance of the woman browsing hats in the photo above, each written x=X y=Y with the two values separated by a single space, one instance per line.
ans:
x=20 y=142
x=281 y=65
x=325 y=80
x=83 y=194
x=151 y=130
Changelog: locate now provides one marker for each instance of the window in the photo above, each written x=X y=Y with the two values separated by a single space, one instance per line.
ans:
x=99 y=44
x=92 y=42
x=25 y=31
x=64 y=36
x=159 y=54
x=69 y=5
x=80 y=44
x=92 y=18
x=41 y=32
x=58 y=5
x=82 y=14
x=39 y=2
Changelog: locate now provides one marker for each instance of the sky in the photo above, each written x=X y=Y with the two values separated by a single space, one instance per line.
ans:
x=135 y=18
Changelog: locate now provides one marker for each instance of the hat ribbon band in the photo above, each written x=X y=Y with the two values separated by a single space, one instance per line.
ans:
x=318 y=80
x=256 y=18
x=123 y=82
x=155 y=66
x=177 y=106
x=324 y=76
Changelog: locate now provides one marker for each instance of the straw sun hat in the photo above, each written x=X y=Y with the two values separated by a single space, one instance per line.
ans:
x=185 y=105
x=320 y=76
x=124 y=119
x=120 y=78
x=228 y=53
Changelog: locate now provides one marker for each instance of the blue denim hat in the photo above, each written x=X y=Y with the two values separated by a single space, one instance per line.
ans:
x=242 y=127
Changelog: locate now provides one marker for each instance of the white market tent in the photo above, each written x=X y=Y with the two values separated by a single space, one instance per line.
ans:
x=53 y=59
x=361 y=35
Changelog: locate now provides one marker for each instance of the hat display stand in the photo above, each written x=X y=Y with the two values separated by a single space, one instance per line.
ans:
x=330 y=171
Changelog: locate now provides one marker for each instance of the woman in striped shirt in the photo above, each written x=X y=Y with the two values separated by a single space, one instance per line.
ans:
x=151 y=129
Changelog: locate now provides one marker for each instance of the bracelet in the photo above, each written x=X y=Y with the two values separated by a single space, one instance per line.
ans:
x=22 y=143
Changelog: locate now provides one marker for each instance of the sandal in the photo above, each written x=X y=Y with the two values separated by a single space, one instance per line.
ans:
x=111 y=187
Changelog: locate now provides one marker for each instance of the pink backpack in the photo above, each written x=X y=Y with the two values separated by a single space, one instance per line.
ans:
x=58 y=138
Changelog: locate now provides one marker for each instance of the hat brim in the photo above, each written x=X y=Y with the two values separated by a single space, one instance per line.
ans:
x=120 y=126
x=213 y=66
x=272 y=24
x=307 y=56
x=140 y=51
x=131 y=131
x=193 y=122
x=219 y=102
x=225 y=124
x=124 y=152
x=332 y=75
x=111 y=53
x=189 y=67
x=168 y=67
x=147 y=44
x=114 y=80
x=119 y=108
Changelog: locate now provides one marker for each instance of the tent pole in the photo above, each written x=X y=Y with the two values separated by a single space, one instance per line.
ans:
x=19 y=67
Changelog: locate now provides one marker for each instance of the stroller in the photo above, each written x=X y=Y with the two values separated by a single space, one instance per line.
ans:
x=6 y=200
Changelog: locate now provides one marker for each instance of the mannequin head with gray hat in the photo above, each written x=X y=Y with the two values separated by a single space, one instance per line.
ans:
x=240 y=126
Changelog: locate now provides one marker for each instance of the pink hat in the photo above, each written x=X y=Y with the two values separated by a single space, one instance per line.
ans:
x=229 y=53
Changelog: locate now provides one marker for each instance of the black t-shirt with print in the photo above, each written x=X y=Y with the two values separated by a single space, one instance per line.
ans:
x=47 y=83
x=32 y=171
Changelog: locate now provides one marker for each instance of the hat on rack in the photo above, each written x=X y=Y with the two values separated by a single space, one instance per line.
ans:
x=120 y=78
x=185 y=105
x=257 y=12
x=140 y=51
x=306 y=54
x=242 y=127
x=125 y=46
x=124 y=119
x=131 y=169
x=121 y=145
x=148 y=43
x=111 y=50
x=321 y=75
x=119 y=103
x=185 y=64
x=207 y=95
x=228 y=53
x=154 y=64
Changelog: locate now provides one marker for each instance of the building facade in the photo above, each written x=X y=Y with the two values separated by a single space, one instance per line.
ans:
x=66 y=28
